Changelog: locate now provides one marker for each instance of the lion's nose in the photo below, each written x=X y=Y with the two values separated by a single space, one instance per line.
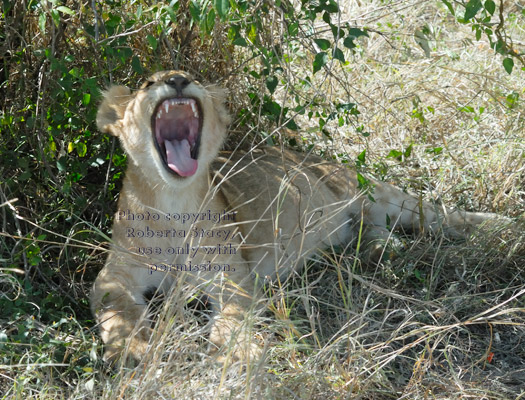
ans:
x=178 y=82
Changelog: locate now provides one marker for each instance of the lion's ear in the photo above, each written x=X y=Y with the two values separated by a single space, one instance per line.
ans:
x=112 y=109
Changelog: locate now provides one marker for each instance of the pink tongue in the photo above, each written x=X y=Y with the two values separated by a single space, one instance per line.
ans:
x=179 y=157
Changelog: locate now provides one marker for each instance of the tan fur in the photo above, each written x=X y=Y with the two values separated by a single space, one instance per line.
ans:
x=288 y=206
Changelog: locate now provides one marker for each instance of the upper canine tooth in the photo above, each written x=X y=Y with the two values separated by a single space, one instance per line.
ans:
x=193 y=108
x=166 y=106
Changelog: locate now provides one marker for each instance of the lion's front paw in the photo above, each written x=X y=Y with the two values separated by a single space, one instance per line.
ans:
x=234 y=342
x=129 y=350
x=378 y=250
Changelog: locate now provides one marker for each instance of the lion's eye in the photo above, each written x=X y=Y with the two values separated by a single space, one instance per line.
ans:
x=147 y=84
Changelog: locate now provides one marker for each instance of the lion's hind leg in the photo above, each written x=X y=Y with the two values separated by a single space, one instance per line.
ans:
x=392 y=209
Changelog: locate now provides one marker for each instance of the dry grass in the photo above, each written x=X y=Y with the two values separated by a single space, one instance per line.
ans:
x=444 y=320
x=426 y=324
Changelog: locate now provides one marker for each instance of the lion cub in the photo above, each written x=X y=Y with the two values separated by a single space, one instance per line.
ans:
x=217 y=222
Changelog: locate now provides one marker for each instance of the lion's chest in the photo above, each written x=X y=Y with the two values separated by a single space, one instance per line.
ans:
x=172 y=235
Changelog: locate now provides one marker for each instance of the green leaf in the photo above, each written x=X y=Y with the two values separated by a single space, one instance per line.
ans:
x=322 y=43
x=195 y=11
x=508 y=64
x=329 y=6
x=490 y=6
x=42 y=23
x=271 y=83
x=125 y=53
x=449 y=6
x=478 y=33
x=417 y=274
x=136 y=65
x=35 y=260
x=81 y=149
x=171 y=9
x=472 y=8
x=210 y=21
x=23 y=163
x=252 y=33
x=240 y=41
x=348 y=42
x=356 y=32
x=234 y=32
x=362 y=157
x=361 y=181
x=272 y=109
x=152 y=42
x=434 y=150
x=499 y=47
x=222 y=7
x=320 y=60
x=395 y=154
x=56 y=17
x=467 y=109
x=346 y=106
x=338 y=55
x=62 y=164
x=292 y=125
x=86 y=99
x=293 y=29
x=408 y=151
x=24 y=176
x=65 y=10
x=512 y=100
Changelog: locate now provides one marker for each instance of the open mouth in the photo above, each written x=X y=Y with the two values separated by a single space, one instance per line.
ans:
x=176 y=125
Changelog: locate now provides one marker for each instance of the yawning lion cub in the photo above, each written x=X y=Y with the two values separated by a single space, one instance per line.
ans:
x=218 y=222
